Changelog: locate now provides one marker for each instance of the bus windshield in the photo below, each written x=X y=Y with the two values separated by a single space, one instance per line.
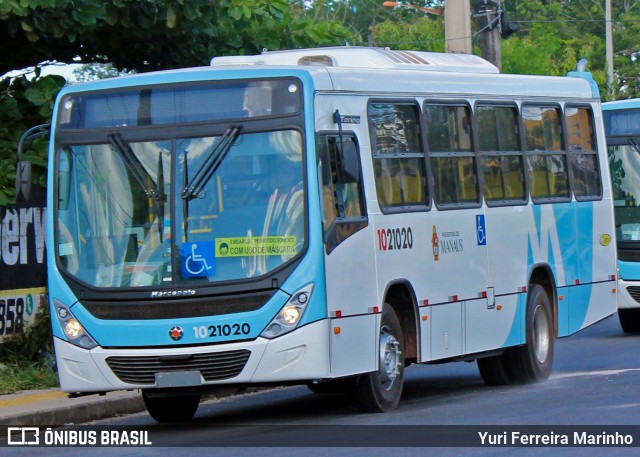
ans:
x=125 y=218
x=624 y=163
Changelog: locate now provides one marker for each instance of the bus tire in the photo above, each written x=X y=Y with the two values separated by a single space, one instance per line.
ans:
x=629 y=320
x=175 y=408
x=533 y=361
x=494 y=370
x=380 y=391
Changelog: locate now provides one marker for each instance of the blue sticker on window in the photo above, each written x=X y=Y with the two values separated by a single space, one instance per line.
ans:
x=198 y=259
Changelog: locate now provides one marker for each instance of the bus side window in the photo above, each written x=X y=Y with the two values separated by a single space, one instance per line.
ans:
x=343 y=212
x=398 y=156
x=453 y=162
x=501 y=162
x=547 y=160
x=583 y=153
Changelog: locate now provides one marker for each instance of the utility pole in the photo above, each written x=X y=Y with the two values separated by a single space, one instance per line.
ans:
x=609 y=48
x=457 y=26
x=487 y=16
x=457 y=23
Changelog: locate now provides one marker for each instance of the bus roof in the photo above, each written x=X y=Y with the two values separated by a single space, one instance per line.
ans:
x=373 y=71
x=363 y=69
x=363 y=57
x=622 y=104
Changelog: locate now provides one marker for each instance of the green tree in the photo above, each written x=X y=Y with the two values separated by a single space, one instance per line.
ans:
x=145 y=35
x=362 y=16
x=422 y=34
x=23 y=104
x=561 y=32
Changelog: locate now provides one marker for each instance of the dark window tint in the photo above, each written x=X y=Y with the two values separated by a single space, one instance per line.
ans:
x=501 y=162
x=546 y=159
x=398 y=158
x=451 y=155
x=583 y=153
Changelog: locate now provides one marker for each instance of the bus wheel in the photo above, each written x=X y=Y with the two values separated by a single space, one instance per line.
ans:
x=380 y=391
x=629 y=320
x=176 y=408
x=532 y=362
x=494 y=370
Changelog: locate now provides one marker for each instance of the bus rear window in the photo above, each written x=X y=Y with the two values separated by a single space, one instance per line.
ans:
x=172 y=104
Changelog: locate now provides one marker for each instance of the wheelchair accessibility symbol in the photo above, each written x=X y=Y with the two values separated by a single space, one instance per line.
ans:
x=198 y=259
x=481 y=230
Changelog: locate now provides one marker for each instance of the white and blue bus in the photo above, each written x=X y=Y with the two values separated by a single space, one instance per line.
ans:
x=622 y=130
x=323 y=217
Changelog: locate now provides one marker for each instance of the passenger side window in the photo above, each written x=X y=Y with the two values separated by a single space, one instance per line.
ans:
x=398 y=157
x=583 y=153
x=501 y=161
x=451 y=154
x=546 y=159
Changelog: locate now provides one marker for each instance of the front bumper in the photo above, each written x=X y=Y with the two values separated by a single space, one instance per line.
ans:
x=297 y=356
x=625 y=291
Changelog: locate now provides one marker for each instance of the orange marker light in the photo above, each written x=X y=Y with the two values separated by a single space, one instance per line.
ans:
x=336 y=330
x=499 y=307
x=424 y=318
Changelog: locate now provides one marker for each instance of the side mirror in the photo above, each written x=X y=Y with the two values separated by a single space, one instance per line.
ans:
x=23 y=170
x=64 y=179
x=23 y=181
x=349 y=162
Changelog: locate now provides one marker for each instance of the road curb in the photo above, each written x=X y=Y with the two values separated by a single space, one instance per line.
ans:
x=53 y=408
x=76 y=414
x=64 y=410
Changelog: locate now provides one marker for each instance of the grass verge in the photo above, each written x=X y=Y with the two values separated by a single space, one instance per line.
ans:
x=16 y=375
x=26 y=362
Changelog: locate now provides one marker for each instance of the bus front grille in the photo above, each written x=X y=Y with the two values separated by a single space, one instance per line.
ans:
x=634 y=291
x=213 y=366
x=177 y=309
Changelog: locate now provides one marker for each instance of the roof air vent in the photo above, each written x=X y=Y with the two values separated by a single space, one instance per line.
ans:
x=321 y=60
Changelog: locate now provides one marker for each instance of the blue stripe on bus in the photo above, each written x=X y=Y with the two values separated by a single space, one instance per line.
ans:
x=574 y=225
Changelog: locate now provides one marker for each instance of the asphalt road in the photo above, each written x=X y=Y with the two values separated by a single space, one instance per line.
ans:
x=595 y=382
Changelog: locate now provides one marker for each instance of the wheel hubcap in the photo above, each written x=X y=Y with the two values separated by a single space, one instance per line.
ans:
x=390 y=359
x=541 y=334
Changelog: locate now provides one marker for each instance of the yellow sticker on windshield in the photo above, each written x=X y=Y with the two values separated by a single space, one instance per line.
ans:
x=255 y=246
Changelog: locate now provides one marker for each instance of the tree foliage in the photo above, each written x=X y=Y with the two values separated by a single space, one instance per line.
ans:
x=553 y=36
x=145 y=35
x=24 y=103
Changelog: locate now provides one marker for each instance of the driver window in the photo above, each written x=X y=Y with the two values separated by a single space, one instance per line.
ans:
x=342 y=200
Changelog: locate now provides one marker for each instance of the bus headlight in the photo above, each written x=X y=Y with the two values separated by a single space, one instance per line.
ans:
x=290 y=314
x=73 y=329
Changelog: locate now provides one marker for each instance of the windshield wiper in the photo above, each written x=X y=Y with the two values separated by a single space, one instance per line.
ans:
x=130 y=160
x=134 y=166
x=160 y=196
x=204 y=173
x=634 y=144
